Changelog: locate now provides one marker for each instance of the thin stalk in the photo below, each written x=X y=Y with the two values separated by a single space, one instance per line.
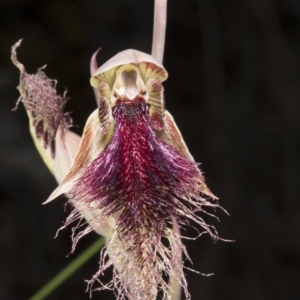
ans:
x=63 y=275
x=159 y=29
x=158 y=47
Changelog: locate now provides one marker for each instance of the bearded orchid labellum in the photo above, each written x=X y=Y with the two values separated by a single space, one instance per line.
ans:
x=130 y=176
x=133 y=167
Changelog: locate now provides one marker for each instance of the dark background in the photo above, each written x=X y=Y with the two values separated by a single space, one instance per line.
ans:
x=233 y=89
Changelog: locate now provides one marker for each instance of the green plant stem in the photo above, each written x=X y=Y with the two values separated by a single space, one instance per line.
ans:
x=69 y=270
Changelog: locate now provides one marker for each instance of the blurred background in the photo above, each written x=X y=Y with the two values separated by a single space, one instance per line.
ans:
x=234 y=91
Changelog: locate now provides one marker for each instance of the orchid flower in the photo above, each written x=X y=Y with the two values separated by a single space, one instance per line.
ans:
x=130 y=176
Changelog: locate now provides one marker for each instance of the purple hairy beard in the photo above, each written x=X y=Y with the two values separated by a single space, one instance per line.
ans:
x=138 y=174
x=148 y=184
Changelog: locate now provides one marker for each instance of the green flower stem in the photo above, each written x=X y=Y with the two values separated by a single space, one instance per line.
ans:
x=69 y=270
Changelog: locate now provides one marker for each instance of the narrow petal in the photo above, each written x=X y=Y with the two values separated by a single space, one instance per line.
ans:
x=44 y=107
x=93 y=64
x=67 y=145
x=93 y=142
x=172 y=136
x=93 y=69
